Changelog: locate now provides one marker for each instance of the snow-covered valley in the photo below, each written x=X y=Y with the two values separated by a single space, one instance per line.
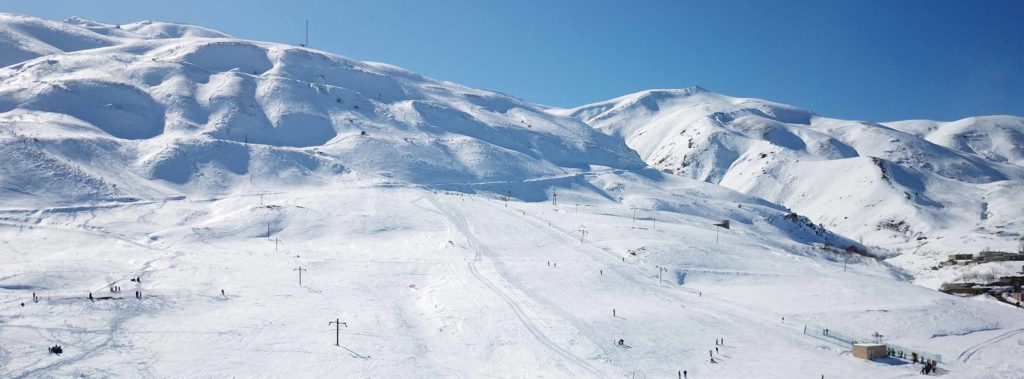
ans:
x=458 y=232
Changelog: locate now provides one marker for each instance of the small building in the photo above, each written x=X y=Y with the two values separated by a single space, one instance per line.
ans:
x=870 y=350
x=963 y=289
x=960 y=257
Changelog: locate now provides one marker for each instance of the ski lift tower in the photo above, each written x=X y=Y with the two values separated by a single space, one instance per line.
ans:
x=878 y=337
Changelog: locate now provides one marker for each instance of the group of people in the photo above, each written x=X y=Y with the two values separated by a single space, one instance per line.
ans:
x=929 y=367
x=56 y=349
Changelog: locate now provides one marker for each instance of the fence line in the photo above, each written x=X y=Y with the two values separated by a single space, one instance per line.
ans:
x=838 y=338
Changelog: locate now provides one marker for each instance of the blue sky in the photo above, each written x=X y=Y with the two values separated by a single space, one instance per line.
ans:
x=869 y=60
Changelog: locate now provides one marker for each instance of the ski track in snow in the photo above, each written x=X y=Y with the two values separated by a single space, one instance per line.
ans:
x=481 y=249
x=966 y=355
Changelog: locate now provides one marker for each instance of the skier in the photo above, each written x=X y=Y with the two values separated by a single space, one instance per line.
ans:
x=684 y=374
x=716 y=349
x=90 y=297
x=602 y=272
x=222 y=293
x=613 y=312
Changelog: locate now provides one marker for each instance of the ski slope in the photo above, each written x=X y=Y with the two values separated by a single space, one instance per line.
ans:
x=453 y=284
x=458 y=232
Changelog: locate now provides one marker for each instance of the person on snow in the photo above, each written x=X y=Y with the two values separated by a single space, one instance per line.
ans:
x=90 y=297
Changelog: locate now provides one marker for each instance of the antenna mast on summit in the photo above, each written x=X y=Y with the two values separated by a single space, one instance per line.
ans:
x=307 y=34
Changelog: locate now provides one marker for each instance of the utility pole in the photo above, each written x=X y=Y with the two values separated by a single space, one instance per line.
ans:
x=723 y=224
x=276 y=240
x=554 y=197
x=654 y=222
x=660 y=270
x=300 y=270
x=337 y=330
x=307 y=34
x=634 y=215
x=268 y=229
x=583 y=233
x=507 y=197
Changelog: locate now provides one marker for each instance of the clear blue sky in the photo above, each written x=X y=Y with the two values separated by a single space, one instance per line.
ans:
x=870 y=60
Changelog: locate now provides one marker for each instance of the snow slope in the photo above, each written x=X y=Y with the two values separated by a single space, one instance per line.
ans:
x=449 y=284
x=912 y=185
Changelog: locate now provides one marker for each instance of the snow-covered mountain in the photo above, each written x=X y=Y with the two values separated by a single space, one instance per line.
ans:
x=901 y=184
x=458 y=232
x=157 y=117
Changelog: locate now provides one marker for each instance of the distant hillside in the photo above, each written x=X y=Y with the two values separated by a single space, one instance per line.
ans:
x=23 y=37
x=905 y=183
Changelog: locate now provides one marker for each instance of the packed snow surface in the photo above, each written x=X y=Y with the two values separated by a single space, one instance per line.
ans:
x=457 y=232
